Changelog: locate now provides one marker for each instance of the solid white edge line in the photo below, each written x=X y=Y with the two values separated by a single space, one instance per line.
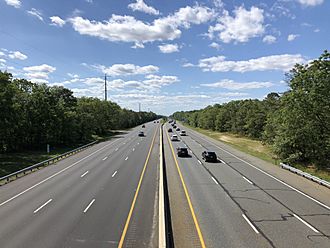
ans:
x=307 y=224
x=250 y=223
x=114 y=174
x=161 y=207
x=54 y=175
x=84 y=174
x=104 y=158
x=275 y=178
x=126 y=158
x=215 y=181
x=35 y=211
x=89 y=205
x=247 y=180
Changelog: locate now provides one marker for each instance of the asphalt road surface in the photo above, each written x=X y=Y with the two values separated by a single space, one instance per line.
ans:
x=108 y=196
x=105 y=196
x=234 y=203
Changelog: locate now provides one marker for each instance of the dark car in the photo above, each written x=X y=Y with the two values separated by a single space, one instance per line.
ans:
x=177 y=129
x=174 y=126
x=141 y=134
x=182 y=151
x=143 y=126
x=209 y=156
x=170 y=130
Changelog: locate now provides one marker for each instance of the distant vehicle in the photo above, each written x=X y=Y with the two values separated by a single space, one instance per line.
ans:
x=174 y=122
x=143 y=126
x=174 y=137
x=182 y=151
x=174 y=126
x=183 y=133
x=170 y=121
x=141 y=134
x=169 y=130
x=177 y=129
x=209 y=156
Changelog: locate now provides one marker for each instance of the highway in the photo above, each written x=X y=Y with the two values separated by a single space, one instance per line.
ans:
x=234 y=203
x=104 y=196
x=108 y=196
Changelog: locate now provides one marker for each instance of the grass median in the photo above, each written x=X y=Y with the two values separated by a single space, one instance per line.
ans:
x=257 y=149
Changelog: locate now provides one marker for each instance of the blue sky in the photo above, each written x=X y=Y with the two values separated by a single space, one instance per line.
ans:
x=166 y=55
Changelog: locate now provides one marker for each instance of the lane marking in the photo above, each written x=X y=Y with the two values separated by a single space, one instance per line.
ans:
x=199 y=161
x=215 y=181
x=221 y=161
x=275 y=178
x=89 y=205
x=43 y=205
x=200 y=145
x=54 y=175
x=199 y=232
x=126 y=158
x=121 y=242
x=116 y=149
x=161 y=207
x=84 y=174
x=138 y=143
x=250 y=223
x=124 y=143
x=307 y=224
x=247 y=180
x=104 y=158
x=133 y=149
x=114 y=174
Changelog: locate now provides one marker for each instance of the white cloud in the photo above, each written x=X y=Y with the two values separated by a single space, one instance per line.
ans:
x=310 y=2
x=57 y=21
x=129 y=29
x=232 y=85
x=89 y=1
x=317 y=30
x=40 y=68
x=39 y=73
x=269 y=39
x=245 y=25
x=127 y=69
x=36 y=13
x=215 y=45
x=159 y=81
x=139 y=5
x=169 y=48
x=14 y=3
x=17 y=55
x=292 y=37
x=137 y=45
x=188 y=65
x=283 y=62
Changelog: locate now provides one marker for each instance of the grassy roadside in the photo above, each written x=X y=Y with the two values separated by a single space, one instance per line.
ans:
x=256 y=149
x=11 y=162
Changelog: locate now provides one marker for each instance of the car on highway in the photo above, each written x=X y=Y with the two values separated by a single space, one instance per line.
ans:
x=141 y=134
x=169 y=130
x=209 y=156
x=143 y=126
x=177 y=129
x=174 y=137
x=174 y=126
x=183 y=133
x=182 y=151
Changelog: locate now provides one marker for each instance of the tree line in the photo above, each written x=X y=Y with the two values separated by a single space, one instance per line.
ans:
x=33 y=115
x=295 y=123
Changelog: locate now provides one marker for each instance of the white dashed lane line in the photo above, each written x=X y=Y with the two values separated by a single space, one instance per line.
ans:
x=250 y=223
x=307 y=224
x=89 y=205
x=247 y=180
x=104 y=158
x=126 y=158
x=116 y=149
x=43 y=205
x=114 y=174
x=84 y=174
x=215 y=181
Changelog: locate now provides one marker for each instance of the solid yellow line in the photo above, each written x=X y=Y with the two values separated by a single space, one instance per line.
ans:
x=200 y=235
x=121 y=242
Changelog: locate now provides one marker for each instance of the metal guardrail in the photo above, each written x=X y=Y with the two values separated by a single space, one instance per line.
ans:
x=305 y=174
x=44 y=163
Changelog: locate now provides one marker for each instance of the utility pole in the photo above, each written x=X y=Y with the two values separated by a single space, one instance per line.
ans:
x=105 y=88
